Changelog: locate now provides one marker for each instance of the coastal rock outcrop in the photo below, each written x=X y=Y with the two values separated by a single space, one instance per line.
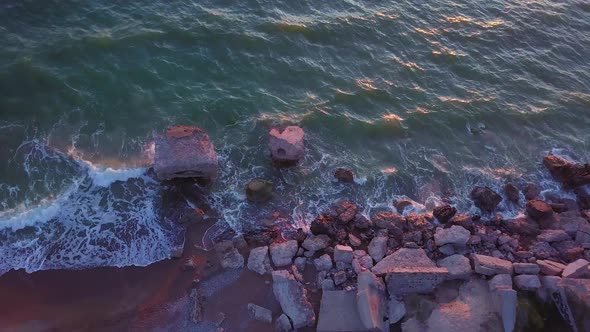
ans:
x=485 y=198
x=444 y=213
x=286 y=145
x=570 y=174
x=292 y=297
x=185 y=152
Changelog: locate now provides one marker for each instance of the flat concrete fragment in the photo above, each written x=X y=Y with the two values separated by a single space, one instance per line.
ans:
x=406 y=280
x=403 y=257
x=338 y=313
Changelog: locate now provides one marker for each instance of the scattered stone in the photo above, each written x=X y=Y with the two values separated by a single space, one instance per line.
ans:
x=283 y=323
x=185 y=152
x=543 y=250
x=344 y=175
x=259 y=191
x=531 y=191
x=391 y=221
x=583 y=235
x=550 y=268
x=571 y=175
x=377 y=248
x=300 y=263
x=500 y=281
x=317 y=242
x=553 y=235
x=485 y=198
x=282 y=253
x=526 y=268
x=577 y=269
x=286 y=145
x=292 y=297
x=512 y=193
x=338 y=312
x=346 y=211
x=490 y=266
x=323 y=263
x=458 y=266
x=229 y=256
x=444 y=213
x=259 y=313
x=455 y=235
x=354 y=241
x=258 y=261
x=343 y=254
x=527 y=282
x=538 y=210
x=396 y=310
x=370 y=300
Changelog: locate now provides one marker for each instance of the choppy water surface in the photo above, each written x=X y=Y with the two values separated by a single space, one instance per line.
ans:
x=424 y=99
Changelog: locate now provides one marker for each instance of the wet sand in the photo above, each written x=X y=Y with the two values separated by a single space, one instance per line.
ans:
x=156 y=297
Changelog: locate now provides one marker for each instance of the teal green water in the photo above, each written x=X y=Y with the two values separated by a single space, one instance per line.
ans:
x=424 y=99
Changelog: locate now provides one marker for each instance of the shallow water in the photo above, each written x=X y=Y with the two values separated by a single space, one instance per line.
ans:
x=419 y=99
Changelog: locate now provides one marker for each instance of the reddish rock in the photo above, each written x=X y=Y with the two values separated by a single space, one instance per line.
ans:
x=344 y=175
x=444 y=213
x=322 y=225
x=402 y=203
x=531 y=191
x=346 y=211
x=538 y=210
x=570 y=174
x=485 y=198
x=389 y=220
x=286 y=145
x=512 y=192
x=522 y=226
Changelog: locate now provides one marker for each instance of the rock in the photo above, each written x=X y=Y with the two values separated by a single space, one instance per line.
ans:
x=550 y=268
x=458 y=266
x=455 y=235
x=490 y=266
x=259 y=191
x=396 y=310
x=259 y=313
x=370 y=301
x=229 y=256
x=583 y=235
x=316 y=243
x=573 y=302
x=522 y=226
x=283 y=323
x=327 y=284
x=344 y=175
x=390 y=220
x=444 y=213
x=258 y=261
x=538 y=210
x=410 y=271
x=531 y=191
x=292 y=297
x=366 y=262
x=512 y=193
x=345 y=211
x=282 y=253
x=526 y=268
x=323 y=263
x=378 y=247
x=485 y=198
x=577 y=269
x=343 y=254
x=401 y=204
x=300 y=263
x=571 y=175
x=185 y=152
x=354 y=241
x=543 y=250
x=527 y=282
x=504 y=301
x=286 y=145
x=500 y=281
x=338 y=312
x=553 y=235
x=340 y=277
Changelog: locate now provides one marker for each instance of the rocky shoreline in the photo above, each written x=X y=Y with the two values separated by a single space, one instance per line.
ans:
x=440 y=271
x=371 y=271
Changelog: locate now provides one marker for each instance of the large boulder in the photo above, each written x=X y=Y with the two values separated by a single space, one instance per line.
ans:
x=485 y=198
x=455 y=235
x=489 y=266
x=444 y=213
x=538 y=210
x=570 y=174
x=282 y=253
x=458 y=265
x=258 y=261
x=229 y=256
x=185 y=152
x=259 y=191
x=286 y=145
x=292 y=297
x=377 y=247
